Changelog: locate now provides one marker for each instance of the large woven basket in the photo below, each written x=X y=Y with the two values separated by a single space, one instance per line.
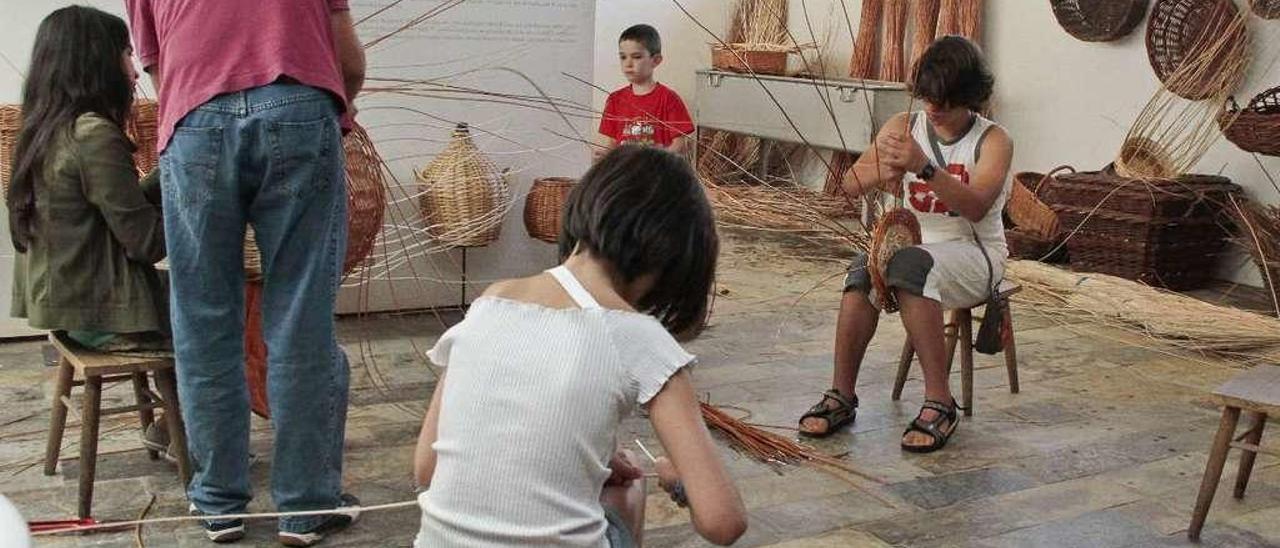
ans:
x=1256 y=127
x=141 y=128
x=1099 y=20
x=742 y=58
x=1025 y=245
x=1027 y=210
x=464 y=196
x=1266 y=9
x=366 y=205
x=1177 y=29
x=544 y=207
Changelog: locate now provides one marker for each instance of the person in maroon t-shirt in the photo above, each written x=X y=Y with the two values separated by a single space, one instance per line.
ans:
x=644 y=111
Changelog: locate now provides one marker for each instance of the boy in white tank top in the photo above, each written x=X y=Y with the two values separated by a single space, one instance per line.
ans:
x=951 y=166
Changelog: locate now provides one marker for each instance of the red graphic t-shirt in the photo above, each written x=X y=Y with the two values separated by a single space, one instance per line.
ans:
x=922 y=197
x=655 y=118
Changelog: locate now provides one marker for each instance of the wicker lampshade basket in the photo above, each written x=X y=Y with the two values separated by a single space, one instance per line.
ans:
x=1027 y=210
x=464 y=196
x=750 y=58
x=1255 y=128
x=896 y=230
x=366 y=205
x=544 y=207
x=141 y=128
x=1177 y=28
x=1099 y=20
x=1266 y=9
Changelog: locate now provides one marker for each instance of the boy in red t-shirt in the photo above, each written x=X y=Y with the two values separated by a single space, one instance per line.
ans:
x=644 y=111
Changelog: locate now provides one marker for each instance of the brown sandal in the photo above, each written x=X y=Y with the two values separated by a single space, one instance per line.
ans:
x=836 y=417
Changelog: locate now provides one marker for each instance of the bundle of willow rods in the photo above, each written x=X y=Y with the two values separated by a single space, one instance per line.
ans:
x=969 y=20
x=948 y=18
x=895 y=34
x=924 y=24
x=863 y=63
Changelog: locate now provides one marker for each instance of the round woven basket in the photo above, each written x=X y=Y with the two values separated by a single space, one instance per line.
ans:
x=544 y=207
x=366 y=205
x=1255 y=128
x=1177 y=28
x=464 y=196
x=897 y=229
x=141 y=128
x=1142 y=158
x=1266 y=9
x=1099 y=20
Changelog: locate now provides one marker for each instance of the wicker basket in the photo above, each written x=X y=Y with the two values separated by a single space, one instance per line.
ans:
x=1255 y=128
x=1099 y=20
x=1185 y=197
x=741 y=58
x=1142 y=158
x=1024 y=245
x=1266 y=9
x=1025 y=208
x=1176 y=28
x=544 y=207
x=464 y=196
x=141 y=127
x=897 y=229
x=366 y=205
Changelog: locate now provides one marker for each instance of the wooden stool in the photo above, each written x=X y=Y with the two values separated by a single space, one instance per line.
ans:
x=960 y=327
x=80 y=366
x=1256 y=391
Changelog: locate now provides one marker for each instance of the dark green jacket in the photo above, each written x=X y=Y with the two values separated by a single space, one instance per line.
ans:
x=97 y=234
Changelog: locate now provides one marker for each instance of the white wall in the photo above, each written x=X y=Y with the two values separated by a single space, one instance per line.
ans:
x=1064 y=101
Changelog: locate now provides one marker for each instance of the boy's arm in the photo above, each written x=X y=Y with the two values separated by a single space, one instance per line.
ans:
x=609 y=131
x=679 y=145
x=424 y=457
x=350 y=53
x=681 y=123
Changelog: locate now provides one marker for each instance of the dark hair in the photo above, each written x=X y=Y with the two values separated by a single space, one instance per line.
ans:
x=75 y=69
x=952 y=73
x=643 y=210
x=646 y=35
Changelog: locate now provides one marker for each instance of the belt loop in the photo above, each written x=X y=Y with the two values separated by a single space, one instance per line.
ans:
x=243 y=107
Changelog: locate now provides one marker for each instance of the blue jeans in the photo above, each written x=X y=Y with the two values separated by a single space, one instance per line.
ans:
x=271 y=157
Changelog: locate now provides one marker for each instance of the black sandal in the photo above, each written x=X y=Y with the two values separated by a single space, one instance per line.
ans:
x=933 y=428
x=836 y=417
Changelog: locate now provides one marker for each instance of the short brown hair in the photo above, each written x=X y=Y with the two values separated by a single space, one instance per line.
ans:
x=952 y=72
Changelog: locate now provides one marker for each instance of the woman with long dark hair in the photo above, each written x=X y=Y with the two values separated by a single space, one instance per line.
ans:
x=87 y=233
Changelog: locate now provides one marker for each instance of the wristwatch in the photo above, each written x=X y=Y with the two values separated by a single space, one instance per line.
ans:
x=927 y=172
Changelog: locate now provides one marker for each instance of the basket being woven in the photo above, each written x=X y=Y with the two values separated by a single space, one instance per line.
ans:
x=1255 y=128
x=141 y=128
x=1178 y=29
x=1099 y=20
x=366 y=205
x=464 y=196
x=896 y=230
x=544 y=207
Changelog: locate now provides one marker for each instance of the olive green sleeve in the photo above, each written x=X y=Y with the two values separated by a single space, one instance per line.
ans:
x=111 y=184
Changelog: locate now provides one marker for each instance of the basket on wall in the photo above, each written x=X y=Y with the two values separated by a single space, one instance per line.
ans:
x=544 y=207
x=141 y=128
x=366 y=205
x=1176 y=28
x=464 y=196
x=1266 y=9
x=1256 y=127
x=1099 y=20
x=750 y=58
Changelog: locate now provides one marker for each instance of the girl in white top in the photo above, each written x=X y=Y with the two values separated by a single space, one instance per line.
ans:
x=519 y=446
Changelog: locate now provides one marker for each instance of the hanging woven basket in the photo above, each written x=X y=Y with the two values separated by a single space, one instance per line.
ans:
x=1099 y=20
x=1255 y=128
x=366 y=205
x=544 y=207
x=464 y=196
x=1266 y=9
x=1177 y=29
x=141 y=128
x=896 y=230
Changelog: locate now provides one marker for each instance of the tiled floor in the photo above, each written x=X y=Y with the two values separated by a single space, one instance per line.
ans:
x=1104 y=446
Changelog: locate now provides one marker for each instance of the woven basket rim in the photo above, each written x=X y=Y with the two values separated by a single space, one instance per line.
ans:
x=1099 y=25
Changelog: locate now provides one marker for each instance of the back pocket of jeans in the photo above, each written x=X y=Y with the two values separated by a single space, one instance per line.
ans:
x=189 y=165
x=301 y=158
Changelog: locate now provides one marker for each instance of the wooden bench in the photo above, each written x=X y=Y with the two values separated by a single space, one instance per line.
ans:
x=1256 y=392
x=79 y=366
x=960 y=328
